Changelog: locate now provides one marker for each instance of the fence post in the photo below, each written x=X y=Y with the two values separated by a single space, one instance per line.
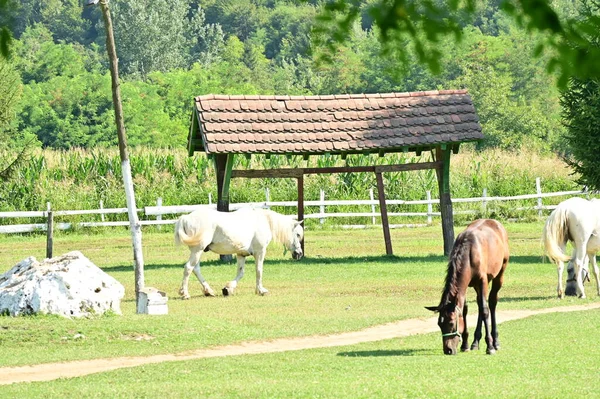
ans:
x=372 y=205
x=159 y=216
x=429 y=208
x=484 y=202
x=209 y=199
x=267 y=197
x=538 y=188
x=49 y=232
x=101 y=208
x=322 y=206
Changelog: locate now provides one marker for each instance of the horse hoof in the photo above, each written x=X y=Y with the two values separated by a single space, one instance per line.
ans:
x=491 y=351
x=474 y=347
x=465 y=350
x=209 y=293
x=185 y=297
x=227 y=291
x=262 y=293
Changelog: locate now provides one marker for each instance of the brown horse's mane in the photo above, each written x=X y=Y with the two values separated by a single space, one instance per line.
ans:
x=459 y=260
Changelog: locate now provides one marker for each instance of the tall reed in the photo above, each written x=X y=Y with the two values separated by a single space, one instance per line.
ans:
x=80 y=179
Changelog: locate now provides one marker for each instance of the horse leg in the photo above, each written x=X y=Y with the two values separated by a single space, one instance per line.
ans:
x=493 y=301
x=193 y=263
x=579 y=259
x=205 y=287
x=592 y=257
x=559 y=289
x=232 y=285
x=477 y=335
x=484 y=316
x=260 y=257
x=464 y=347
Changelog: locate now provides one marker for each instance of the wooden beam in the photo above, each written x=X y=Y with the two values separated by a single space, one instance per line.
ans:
x=443 y=176
x=301 y=205
x=223 y=168
x=296 y=172
x=384 y=217
x=262 y=173
x=191 y=133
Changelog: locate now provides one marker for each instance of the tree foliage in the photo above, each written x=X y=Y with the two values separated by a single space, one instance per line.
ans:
x=171 y=51
x=581 y=112
x=423 y=24
x=581 y=104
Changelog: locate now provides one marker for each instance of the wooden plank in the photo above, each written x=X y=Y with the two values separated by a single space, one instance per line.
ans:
x=301 y=205
x=50 y=235
x=264 y=173
x=384 y=217
x=296 y=172
x=443 y=175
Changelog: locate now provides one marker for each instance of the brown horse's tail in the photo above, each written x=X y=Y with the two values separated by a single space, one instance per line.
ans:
x=556 y=234
x=182 y=227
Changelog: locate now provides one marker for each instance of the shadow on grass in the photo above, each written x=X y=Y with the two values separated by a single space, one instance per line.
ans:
x=525 y=299
x=317 y=260
x=308 y=261
x=526 y=260
x=387 y=353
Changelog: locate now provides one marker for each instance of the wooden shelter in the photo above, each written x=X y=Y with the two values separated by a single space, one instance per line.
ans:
x=224 y=126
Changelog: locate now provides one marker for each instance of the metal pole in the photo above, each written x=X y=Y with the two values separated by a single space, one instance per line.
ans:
x=135 y=226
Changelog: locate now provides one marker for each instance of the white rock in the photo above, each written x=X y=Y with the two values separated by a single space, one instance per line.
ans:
x=69 y=285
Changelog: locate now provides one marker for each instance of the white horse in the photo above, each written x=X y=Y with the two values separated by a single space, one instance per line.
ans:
x=576 y=220
x=244 y=232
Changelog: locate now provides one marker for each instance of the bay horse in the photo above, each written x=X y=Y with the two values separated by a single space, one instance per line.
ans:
x=244 y=232
x=576 y=220
x=479 y=256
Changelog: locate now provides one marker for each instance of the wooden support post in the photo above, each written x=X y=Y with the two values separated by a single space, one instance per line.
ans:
x=384 y=216
x=538 y=190
x=159 y=216
x=301 y=204
x=372 y=197
x=223 y=167
x=102 y=207
x=49 y=235
x=322 y=206
x=443 y=176
x=134 y=224
x=429 y=208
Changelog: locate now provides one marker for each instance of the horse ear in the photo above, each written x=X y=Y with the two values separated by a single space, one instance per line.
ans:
x=433 y=308
x=298 y=223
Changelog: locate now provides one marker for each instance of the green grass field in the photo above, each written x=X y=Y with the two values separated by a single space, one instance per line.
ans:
x=345 y=283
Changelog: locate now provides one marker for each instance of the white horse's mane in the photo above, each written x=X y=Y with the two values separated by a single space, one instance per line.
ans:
x=281 y=226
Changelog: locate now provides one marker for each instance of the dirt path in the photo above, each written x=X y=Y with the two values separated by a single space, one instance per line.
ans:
x=52 y=371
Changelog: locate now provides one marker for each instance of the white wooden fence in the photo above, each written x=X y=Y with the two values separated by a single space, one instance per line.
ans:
x=159 y=210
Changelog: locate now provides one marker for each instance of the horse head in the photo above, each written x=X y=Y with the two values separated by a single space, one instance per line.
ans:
x=295 y=244
x=450 y=325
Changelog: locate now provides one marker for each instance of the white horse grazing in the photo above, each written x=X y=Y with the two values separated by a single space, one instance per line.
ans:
x=576 y=220
x=244 y=232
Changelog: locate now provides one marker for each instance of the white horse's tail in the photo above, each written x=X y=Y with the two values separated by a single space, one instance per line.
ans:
x=182 y=226
x=556 y=234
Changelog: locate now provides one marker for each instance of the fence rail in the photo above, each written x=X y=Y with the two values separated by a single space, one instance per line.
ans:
x=159 y=210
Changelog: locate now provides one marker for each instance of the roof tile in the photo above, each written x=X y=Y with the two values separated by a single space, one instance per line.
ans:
x=333 y=123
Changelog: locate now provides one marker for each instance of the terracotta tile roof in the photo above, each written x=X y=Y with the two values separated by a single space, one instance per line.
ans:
x=334 y=123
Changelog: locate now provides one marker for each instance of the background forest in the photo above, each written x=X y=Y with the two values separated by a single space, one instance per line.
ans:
x=55 y=89
x=172 y=50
